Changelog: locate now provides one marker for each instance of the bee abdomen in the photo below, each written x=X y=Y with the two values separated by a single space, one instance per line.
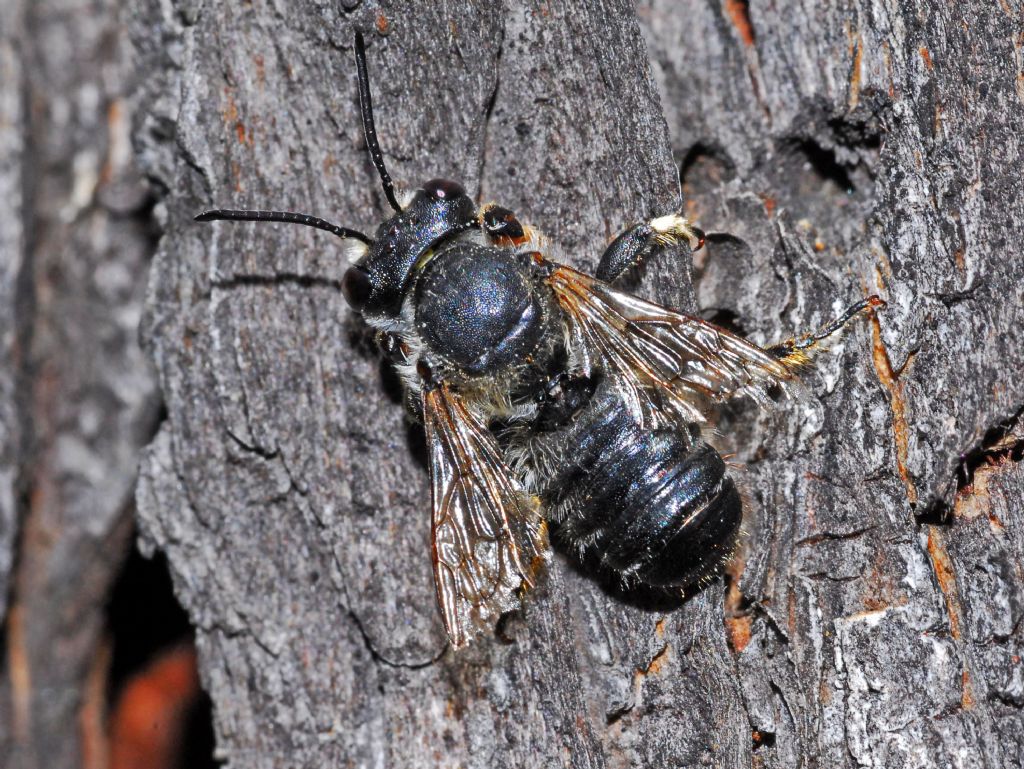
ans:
x=653 y=506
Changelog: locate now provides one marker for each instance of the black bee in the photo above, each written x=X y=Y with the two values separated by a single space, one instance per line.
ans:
x=548 y=395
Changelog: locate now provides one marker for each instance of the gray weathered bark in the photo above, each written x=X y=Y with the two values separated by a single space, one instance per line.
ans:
x=873 y=615
x=12 y=244
x=77 y=395
x=892 y=138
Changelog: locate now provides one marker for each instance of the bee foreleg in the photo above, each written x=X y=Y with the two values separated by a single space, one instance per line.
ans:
x=503 y=226
x=632 y=246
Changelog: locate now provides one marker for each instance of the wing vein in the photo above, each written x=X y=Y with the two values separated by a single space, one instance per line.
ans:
x=483 y=521
x=665 y=360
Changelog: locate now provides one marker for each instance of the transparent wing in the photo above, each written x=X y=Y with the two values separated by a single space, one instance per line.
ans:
x=665 y=361
x=489 y=537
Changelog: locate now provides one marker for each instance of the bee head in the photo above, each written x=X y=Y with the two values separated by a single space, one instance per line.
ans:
x=376 y=284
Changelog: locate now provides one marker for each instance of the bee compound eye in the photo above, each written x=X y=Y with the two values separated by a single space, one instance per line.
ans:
x=356 y=287
x=444 y=189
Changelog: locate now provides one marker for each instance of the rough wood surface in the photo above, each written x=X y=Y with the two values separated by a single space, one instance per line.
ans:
x=77 y=395
x=12 y=240
x=873 y=617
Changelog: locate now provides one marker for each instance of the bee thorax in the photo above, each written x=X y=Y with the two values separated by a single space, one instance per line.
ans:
x=477 y=309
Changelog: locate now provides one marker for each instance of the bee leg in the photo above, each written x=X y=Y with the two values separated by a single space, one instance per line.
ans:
x=562 y=399
x=503 y=226
x=794 y=352
x=632 y=246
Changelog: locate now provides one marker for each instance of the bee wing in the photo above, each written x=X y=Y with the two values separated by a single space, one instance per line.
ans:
x=488 y=534
x=665 y=360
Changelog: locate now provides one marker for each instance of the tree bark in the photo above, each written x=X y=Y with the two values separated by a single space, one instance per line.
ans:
x=77 y=396
x=872 y=617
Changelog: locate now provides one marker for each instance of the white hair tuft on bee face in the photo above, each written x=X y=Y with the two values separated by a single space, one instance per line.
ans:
x=353 y=250
x=405 y=197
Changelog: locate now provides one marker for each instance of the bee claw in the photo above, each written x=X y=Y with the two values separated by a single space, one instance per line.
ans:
x=698 y=235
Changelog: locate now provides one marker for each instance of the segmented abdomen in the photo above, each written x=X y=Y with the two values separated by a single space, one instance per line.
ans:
x=655 y=506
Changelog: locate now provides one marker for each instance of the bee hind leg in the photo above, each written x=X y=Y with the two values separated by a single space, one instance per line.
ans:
x=796 y=351
x=632 y=246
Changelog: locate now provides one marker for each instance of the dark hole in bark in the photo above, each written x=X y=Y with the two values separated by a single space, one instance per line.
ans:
x=704 y=168
x=1000 y=443
x=824 y=165
x=937 y=514
x=826 y=186
x=763 y=739
x=865 y=134
x=145 y=621
x=505 y=629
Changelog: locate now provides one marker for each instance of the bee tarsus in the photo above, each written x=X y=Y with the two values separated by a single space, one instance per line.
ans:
x=633 y=245
x=795 y=350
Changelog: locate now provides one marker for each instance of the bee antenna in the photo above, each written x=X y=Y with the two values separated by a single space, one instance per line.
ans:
x=366 y=111
x=226 y=214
